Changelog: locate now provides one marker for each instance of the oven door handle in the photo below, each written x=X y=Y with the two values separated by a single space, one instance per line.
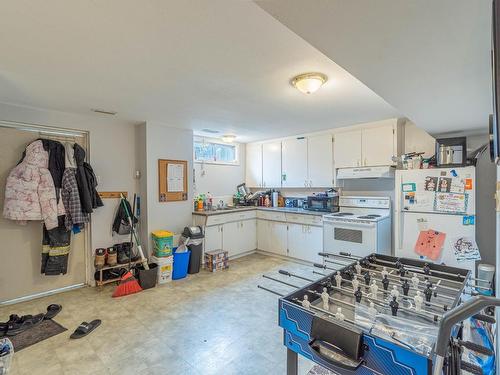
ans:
x=328 y=353
x=343 y=224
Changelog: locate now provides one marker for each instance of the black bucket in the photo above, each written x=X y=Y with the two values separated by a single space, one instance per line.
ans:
x=147 y=278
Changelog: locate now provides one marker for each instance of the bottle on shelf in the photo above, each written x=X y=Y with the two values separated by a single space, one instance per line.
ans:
x=267 y=201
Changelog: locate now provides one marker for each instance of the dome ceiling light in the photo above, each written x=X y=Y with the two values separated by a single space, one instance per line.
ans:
x=229 y=138
x=309 y=83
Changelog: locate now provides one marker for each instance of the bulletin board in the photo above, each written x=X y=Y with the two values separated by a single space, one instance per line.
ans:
x=172 y=179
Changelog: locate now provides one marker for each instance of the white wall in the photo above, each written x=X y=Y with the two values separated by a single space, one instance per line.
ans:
x=220 y=180
x=112 y=156
x=164 y=142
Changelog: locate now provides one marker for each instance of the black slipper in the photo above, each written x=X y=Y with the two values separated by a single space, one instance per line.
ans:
x=52 y=311
x=85 y=328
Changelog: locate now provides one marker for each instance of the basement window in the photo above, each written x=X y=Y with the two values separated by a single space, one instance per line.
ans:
x=215 y=152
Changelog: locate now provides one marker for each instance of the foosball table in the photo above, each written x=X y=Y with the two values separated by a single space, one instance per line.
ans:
x=382 y=315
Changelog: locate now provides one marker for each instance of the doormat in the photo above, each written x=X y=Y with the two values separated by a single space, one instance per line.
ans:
x=40 y=332
x=318 y=370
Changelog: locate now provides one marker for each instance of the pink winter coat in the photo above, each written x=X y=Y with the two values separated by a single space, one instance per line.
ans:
x=30 y=193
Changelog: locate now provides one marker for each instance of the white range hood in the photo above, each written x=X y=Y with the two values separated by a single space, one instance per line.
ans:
x=365 y=172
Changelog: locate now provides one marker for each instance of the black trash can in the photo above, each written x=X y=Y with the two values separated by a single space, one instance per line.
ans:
x=195 y=238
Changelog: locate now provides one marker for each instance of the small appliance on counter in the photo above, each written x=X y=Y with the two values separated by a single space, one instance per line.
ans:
x=323 y=202
x=451 y=152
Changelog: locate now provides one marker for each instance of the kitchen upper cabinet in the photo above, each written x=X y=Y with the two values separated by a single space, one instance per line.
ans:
x=378 y=145
x=294 y=163
x=253 y=165
x=320 y=160
x=367 y=147
x=271 y=164
x=347 y=149
x=213 y=238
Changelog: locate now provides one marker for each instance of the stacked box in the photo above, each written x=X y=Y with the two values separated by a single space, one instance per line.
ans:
x=163 y=243
x=164 y=268
x=216 y=260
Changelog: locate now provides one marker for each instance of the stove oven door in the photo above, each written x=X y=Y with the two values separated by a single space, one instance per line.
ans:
x=357 y=238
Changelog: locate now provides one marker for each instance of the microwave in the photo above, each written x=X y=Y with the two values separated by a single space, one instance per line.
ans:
x=322 y=203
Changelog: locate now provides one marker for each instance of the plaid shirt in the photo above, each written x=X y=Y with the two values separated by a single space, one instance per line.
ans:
x=71 y=199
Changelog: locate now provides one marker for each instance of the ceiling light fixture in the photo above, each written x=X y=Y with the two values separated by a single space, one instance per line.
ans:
x=212 y=131
x=229 y=138
x=308 y=83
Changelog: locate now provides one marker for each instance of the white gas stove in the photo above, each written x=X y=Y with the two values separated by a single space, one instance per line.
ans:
x=361 y=227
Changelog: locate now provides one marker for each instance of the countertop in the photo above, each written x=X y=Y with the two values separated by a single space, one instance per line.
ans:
x=294 y=210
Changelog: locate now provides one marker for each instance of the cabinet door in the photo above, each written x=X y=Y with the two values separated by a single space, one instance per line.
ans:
x=347 y=149
x=213 y=238
x=263 y=235
x=278 y=238
x=294 y=163
x=314 y=240
x=320 y=160
x=378 y=146
x=271 y=164
x=231 y=241
x=248 y=235
x=253 y=165
x=297 y=246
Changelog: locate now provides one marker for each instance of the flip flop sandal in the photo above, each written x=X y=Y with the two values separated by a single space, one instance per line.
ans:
x=24 y=323
x=52 y=311
x=85 y=328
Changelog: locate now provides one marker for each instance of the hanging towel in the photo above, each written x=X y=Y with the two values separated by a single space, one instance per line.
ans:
x=30 y=193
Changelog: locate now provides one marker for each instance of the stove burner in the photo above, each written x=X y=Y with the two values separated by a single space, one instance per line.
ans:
x=343 y=214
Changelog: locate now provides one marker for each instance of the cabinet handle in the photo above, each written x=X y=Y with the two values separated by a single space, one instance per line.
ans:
x=365 y=162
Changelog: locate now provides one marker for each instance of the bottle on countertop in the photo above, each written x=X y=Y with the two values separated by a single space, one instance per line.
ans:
x=267 y=201
x=274 y=195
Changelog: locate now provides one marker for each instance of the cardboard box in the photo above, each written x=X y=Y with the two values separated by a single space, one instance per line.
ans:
x=216 y=256
x=165 y=265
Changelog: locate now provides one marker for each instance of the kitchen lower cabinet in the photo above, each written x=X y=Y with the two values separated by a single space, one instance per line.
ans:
x=272 y=236
x=213 y=238
x=305 y=242
x=248 y=235
x=239 y=237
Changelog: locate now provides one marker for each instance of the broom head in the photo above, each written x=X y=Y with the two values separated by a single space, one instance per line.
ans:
x=128 y=285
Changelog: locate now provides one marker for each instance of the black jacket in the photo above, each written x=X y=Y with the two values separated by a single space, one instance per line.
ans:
x=56 y=160
x=121 y=224
x=87 y=182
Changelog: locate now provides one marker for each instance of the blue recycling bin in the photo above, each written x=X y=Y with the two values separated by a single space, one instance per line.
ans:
x=181 y=264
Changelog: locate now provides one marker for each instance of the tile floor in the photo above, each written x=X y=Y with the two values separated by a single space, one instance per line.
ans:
x=218 y=323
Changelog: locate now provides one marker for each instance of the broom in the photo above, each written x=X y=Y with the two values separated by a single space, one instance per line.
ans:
x=128 y=283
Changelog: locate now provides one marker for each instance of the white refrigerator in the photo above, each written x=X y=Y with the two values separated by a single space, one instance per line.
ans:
x=440 y=201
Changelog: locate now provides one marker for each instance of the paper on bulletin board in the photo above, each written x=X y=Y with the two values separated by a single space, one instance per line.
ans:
x=451 y=202
x=465 y=248
x=175 y=178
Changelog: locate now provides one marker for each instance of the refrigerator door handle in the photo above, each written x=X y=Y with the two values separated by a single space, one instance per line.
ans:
x=401 y=229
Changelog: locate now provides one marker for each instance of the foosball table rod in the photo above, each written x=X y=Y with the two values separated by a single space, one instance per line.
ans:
x=398 y=278
x=424 y=313
x=428 y=296
x=419 y=271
